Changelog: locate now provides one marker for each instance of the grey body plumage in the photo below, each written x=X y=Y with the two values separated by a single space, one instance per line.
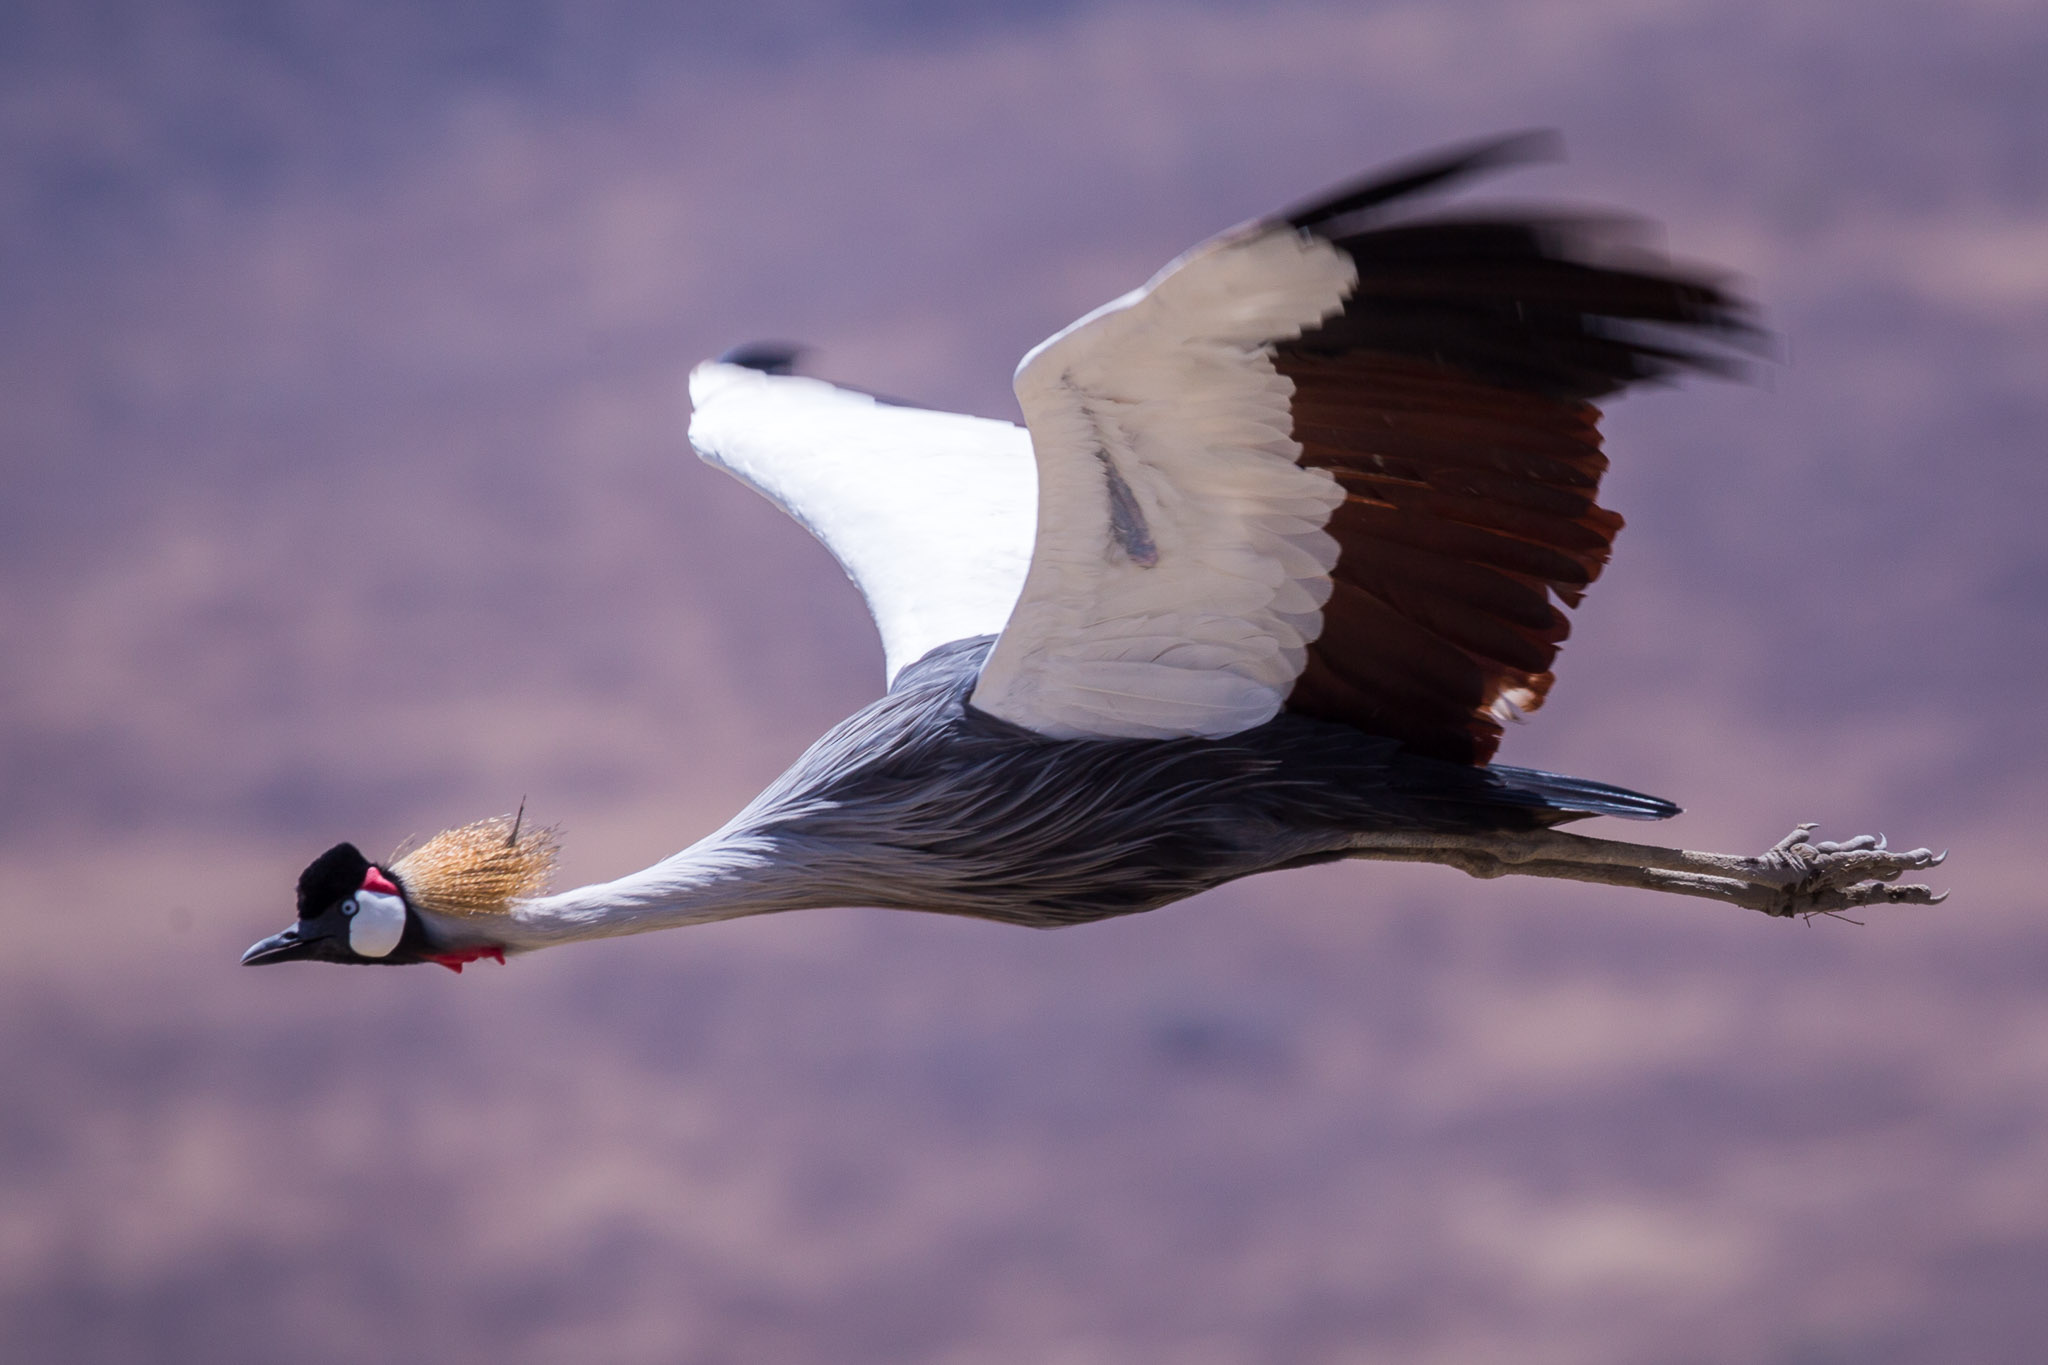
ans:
x=921 y=802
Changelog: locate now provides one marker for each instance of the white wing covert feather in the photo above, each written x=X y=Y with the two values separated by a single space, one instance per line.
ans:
x=1180 y=566
x=931 y=514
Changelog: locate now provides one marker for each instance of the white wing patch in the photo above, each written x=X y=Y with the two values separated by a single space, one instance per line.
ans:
x=1181 y=564
x=930 y=513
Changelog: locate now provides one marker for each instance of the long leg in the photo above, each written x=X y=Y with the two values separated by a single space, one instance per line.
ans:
x=1795 y=877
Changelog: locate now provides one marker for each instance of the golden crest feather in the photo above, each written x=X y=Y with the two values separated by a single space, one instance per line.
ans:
x=479 y=868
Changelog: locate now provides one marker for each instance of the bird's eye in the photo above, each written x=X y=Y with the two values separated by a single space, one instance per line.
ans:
x=348 y=907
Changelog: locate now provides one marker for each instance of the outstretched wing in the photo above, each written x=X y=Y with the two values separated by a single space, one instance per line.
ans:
x=930 y=513
x=1338 y=464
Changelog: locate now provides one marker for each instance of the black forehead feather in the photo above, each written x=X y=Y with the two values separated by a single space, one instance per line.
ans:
x=330 y=877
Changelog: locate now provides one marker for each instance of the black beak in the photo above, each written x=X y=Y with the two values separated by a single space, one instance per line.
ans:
x=288 y=946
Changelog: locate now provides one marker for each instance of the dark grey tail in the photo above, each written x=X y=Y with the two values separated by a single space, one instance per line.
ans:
x=1576 y=796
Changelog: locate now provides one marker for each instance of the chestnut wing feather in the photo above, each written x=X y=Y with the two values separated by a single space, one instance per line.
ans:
x=1452 y=399
x=1456 y=550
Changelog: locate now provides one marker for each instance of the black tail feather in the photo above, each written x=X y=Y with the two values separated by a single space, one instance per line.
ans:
x=1577 y=796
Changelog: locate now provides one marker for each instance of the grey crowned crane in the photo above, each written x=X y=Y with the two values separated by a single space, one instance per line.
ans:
x=1285 y=537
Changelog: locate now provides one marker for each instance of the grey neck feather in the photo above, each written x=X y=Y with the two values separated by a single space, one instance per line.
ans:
x=724 y=877
x=769 y=857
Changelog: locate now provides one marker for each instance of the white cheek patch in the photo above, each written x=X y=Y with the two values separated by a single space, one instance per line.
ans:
x=377 y=925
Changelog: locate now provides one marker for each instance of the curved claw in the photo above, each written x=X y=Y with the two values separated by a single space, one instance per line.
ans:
x=1829 y=899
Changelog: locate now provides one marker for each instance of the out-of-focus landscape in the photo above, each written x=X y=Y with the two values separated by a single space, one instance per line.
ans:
x=341 y=390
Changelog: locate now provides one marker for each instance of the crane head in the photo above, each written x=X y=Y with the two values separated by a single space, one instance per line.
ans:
x=350 y=910
x=444 y=902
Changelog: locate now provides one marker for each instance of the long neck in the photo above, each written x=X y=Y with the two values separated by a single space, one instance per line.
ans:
x=723 y=877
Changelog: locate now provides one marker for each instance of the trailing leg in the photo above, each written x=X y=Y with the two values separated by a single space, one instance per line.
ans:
x=1796 y=876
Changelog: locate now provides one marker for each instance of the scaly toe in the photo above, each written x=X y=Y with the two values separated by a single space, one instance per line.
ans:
x=1800 y=837
x=1825 y=900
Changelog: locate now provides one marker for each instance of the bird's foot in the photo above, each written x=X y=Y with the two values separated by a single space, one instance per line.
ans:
x=1827 y=877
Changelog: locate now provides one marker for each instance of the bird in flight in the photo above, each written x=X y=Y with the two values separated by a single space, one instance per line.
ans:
x=1286 y=535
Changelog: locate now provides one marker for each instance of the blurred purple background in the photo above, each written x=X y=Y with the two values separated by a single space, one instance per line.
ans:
x=341 y=383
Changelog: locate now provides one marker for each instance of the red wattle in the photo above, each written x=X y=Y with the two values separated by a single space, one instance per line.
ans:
x=454 y=961
x=375 y=880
